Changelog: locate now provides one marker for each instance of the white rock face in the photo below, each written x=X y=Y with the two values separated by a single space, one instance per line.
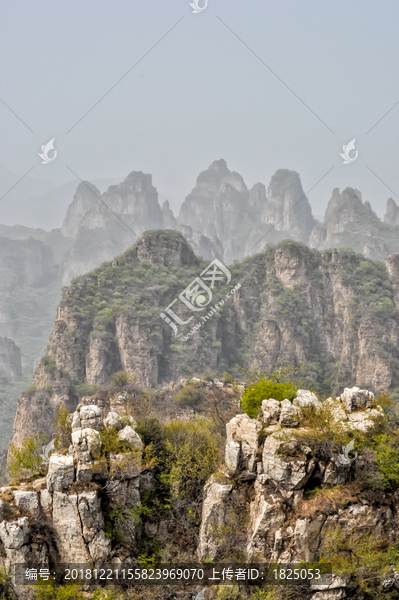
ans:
x=61 y=472
x=112 y=420
x=89 y=506
x=306 y=399
x=354 y=398
x=14 y=535
x=68 y=528
x=242 y=442
x=46 y=501
x=266 y=518
x=88 y=417
x=86 y=439
x=129 y=435
x=337 y=410
x=289 y=414
x=288 y=472
x=271 y=411
x=28 y=502
x=307 y=538
x=215 y=513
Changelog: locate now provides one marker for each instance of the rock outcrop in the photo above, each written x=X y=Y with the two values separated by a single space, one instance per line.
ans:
x=276 y=522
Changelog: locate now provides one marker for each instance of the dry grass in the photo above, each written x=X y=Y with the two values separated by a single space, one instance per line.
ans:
x=328 y=500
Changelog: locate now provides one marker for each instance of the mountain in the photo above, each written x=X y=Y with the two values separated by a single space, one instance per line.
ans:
x=37 y=203
x=334 y=311
x=350 y=223
x=105 y=225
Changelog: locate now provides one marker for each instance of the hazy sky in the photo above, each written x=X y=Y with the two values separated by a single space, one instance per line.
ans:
x=200 y=94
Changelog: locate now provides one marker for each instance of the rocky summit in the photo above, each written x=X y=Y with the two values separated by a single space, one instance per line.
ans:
x=283 y=493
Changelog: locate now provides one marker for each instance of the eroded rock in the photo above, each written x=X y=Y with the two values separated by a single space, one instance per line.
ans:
x=242 y=442
x=61 y=472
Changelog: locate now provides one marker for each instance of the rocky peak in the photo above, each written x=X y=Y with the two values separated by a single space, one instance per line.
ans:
x=392 y=213
x=287 y=207
x=165 y=248
x=169 y=219
x=257 y=197
x=85 y=199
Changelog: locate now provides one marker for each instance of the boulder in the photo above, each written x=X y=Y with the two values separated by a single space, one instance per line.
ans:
x=86 y=440
x=28 y=502
x=112 y=420
x=124 y=466
x=286 y=463
x=337 y=470
x=242 y=442
x=2 y=509
x=306 y=399
x=88 y=417
x=355 y=398
x=14 y=535
x=363 y=420
x=271 y=411
x=129 y=435
x=61 y=472
x=289 y=414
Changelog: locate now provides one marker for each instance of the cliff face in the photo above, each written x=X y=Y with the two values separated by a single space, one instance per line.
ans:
x=333 y=311
x=10 y=361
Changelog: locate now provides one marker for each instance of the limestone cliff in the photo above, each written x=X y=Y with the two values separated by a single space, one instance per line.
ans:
x=333 y=311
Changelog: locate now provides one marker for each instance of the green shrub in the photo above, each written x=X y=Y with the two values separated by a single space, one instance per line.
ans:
x=26 y=460
x=49 y=364
x=188 y=396
x=63 y=426
x=32 y=389
x=87 y=389
x=227 y=378
x=190 y=457
x=263 y=390
x=121 y=378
